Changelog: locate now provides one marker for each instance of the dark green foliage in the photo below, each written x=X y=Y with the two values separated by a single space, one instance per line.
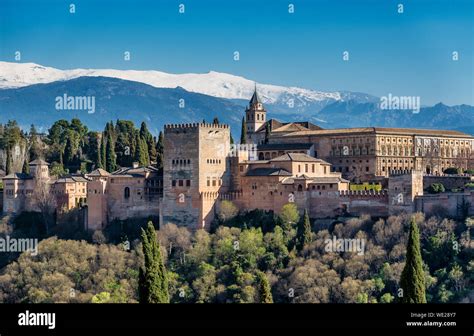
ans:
x=267 y=132
x=412 y=280
x=436 y=188
x=9 y=162
x=452 y=171
x=92 y=149
x=153 y=279
x=303 y=232
x=159 y=151
x=110 y=157
x=256 y=218
x=26 y=166
x=130 y=229
x=142 y=156
x=439 y=250
x=224 y=267
x=215 y=121
x=243 y=132
x=264 y=290
x=149 y=141
x=68 y=155
x=35 y=151
x=103 y=156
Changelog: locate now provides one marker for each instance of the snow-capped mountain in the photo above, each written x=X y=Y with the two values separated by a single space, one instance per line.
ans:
x=216 y=84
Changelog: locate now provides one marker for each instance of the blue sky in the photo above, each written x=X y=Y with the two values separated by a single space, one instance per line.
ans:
x=401 y=54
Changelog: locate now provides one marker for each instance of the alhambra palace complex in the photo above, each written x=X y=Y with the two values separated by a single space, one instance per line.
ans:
x=282 y=162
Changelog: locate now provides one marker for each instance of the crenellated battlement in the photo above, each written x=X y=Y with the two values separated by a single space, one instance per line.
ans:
x=363 y=193
x=194 y=126
x=400 y=172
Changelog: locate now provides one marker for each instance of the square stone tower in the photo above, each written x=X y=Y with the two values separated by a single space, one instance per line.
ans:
x=195 y=171
x=403 y=187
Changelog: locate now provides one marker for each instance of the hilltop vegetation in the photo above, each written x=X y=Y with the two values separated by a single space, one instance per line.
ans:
x=70 y=147
x=234 y=262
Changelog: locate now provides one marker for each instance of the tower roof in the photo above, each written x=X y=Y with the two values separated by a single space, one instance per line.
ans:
x=38 y=162
x=255 y=98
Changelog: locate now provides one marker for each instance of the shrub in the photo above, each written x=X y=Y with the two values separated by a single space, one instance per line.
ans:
x=452 y=171
x=436 y=188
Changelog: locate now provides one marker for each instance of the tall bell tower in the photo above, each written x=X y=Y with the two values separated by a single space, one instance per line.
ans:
x=255 y=117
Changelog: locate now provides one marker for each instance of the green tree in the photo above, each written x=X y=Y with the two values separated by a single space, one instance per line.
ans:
x=35 y=149
x=9 y=163
x=264 y=291
x=153 y=279
x=26 y=166
x=436 y=188
x=267 y=132
x=303 y=232
x=103 y=156
x=110 y=156
x=159 y=150
x=289 y=216
x=227 y=211
x=148 y=137
x=231 y=140
x=243 y=132
x=141 y=155
x=412 y=280
x=68 y=152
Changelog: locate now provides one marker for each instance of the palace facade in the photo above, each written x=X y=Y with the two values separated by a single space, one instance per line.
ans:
x=294 y=162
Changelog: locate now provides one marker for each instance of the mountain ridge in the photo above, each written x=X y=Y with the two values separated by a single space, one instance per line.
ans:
x=124 y=99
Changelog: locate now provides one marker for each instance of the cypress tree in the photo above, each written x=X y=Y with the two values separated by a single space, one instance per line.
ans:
x=98 y=154
x=35 y=149
x=412 y=280
x=102 y=151
x=264 y=291
x=9 y=163
x=243 y=132
x=142 y=152
x=68 y=152
x=153 y=280
x=267 y=132
x=231 y=140
x=150 y=143
x=303 y=232
x=110 y=156
x=159 y=151
x=26 y=166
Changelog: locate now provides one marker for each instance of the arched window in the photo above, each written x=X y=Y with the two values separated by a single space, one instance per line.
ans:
x=300 y=187
x=126 y=192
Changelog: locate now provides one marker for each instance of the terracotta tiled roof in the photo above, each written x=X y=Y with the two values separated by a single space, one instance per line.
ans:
x=19 y=176
x=268 y=172
x=295 y=126
x=139 y=171
x=71 y=179
x=285 y=146
x=38 y=162
x=380 y=130
x=297 y=157
x=291 y=127
x=99 y=172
